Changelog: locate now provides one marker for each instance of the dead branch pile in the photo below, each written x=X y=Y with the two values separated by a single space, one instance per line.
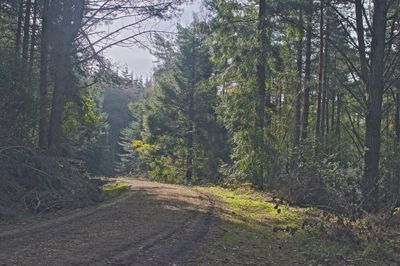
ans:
x=39 y=183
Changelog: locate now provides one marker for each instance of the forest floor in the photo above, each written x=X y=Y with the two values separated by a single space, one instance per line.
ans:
x=158 y=224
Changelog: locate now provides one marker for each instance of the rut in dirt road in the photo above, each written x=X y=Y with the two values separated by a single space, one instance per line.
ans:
x=151 y=224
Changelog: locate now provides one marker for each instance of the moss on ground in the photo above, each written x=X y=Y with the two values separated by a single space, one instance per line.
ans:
x=260 y=230
x=114 y=189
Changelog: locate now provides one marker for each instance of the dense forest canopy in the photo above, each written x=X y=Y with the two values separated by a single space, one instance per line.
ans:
x=300 y=97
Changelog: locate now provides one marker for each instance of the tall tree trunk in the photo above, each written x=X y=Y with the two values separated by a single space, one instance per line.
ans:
x=375 y=89
x=336 y=123
x=396 y=186
x=307 y=75
x=19 y=27
x=60 y=81
x=325 y=91
x=361 y=40
x=189 y=160
x=334 y=93
x=327 y=112
x=261 y=89
x=27 y=22
x=321 y=85
x=190 y=140
x=297 y=128
x=338 y=116
x=44 y=51
x=332 y=111
x=33 y=35
x=67 y=30
x=397 y=117
x=387 y=127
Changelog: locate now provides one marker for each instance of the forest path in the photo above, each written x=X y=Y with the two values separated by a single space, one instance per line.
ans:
x=151 y=224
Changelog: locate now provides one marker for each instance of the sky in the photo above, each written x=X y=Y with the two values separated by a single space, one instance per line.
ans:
x=139 y=60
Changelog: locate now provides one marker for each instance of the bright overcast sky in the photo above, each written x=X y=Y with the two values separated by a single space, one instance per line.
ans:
x=139 y=60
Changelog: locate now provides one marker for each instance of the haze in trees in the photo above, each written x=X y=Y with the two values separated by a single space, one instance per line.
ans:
x=296 y=97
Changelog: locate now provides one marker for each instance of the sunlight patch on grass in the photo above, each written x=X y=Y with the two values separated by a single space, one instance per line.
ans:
x=257 y=207
x=114 y=189
x=256 y=226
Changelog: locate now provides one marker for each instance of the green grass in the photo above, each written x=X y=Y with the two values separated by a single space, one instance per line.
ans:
x=255 y=207
x=114 y=189
x=255 y=226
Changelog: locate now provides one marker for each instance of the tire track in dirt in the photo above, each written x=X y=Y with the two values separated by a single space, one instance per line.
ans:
x=59 y=221
x=153 y=224
x=183 y=238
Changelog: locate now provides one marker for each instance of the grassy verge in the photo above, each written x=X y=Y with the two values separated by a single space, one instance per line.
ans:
x=257 y=229
x=114 y=189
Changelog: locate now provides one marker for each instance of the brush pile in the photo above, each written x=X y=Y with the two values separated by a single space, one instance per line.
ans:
x=33 y=182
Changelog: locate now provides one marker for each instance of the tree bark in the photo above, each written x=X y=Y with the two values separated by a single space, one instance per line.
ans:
x=44 y=51
x=33 y=35
x=307 y=75
x=396 y=186
x=299 y=86
x=397 y=118
x=321 y=85
x=325 y=91
x=60 y=80
x=375 y=88
x=334 y=93
x=189 y=160
x=19 y=27
x=261 y=90
x=27 y=22
x=67 y=30
x=361 y=40
x=338 y=114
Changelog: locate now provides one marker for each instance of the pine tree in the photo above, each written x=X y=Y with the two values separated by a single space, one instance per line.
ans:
x=179 y=116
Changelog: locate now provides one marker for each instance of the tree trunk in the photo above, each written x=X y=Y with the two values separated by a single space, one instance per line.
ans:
x=189 y=160
x=321 y=85
x=307 y=76
x=334 y=93
x=297 y=128
x=375 y=89
x=19 y=27
x=33 y=36
x=325 y=91
x=261 y=90
x=332 y=111
x=397 y=118
x=67 y=30
x=361 y=40
x=396 y=186
x=44 y=50
x=27 y=22
x=338 y=114
x=327 y=112
x=60 y=80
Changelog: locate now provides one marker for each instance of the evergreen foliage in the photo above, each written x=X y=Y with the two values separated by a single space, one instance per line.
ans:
x=180 y=139
x=296 y=96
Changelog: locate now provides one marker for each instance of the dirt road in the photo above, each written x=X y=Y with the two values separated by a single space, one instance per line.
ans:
x=151 y=224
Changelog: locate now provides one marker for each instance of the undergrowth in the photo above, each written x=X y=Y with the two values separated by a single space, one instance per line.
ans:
x=259 y=226
x=31 y=182
x=114 y=189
